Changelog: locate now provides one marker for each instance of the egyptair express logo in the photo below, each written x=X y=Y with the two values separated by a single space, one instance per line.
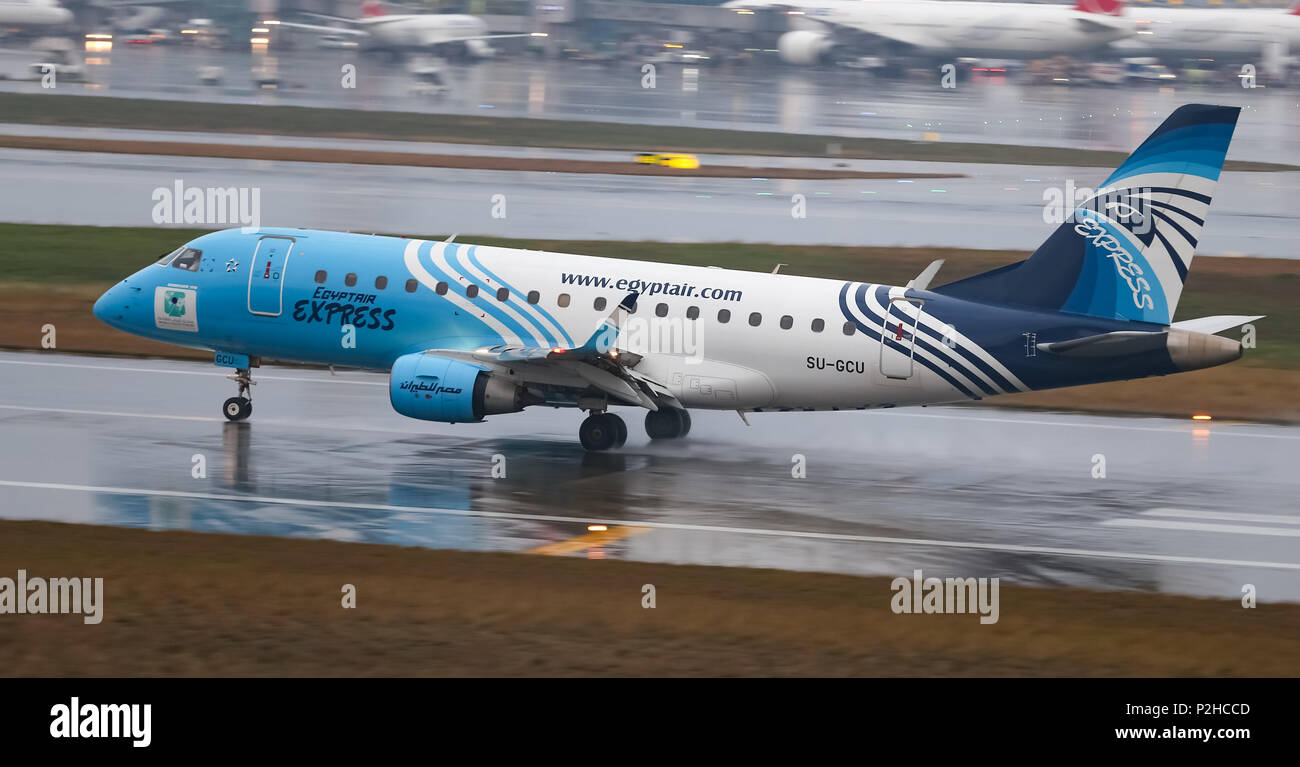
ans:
x=174 y=303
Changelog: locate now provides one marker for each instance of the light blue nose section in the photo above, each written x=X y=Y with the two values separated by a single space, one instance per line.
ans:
x=118 y=303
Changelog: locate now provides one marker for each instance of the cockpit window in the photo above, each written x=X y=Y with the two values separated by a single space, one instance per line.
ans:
x=189 y=260
x=168 y=258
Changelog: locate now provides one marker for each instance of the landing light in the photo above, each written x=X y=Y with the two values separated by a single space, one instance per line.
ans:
x=557 y=350
x=1201 y=417
x=597 y=528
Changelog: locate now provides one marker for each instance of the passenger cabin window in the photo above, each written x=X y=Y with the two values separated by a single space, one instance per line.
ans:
x=411 y=285
x=848 y=328
x=320 y=276
x=724 y=315
x=787 y=322
x=350 y=280
x=503 y=294
x=534 y=296
x=818 y=325
x=692 y=312
x=661 y=310
x=562 y=300
x=755 y=319
x=381 y=282
x=471 y=291
x=189 y=260
x=440 y=288
x=599 y=304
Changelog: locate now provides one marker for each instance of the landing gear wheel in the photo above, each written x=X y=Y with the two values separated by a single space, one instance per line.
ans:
x=620 y=429
x=598 y=432
x=240 y=407
x=667 y=423
x=237 y=408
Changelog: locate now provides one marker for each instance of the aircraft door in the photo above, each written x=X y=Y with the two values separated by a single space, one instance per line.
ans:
x=898 y=342
x=266 y=277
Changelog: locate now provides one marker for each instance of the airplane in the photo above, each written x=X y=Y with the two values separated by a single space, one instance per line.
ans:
x=468 y=331
x=1244 y=34
x=947 y=28
x=33 y=13
x=424 y=31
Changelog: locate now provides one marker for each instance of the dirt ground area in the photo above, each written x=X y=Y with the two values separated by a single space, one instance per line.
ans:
x=197 y=604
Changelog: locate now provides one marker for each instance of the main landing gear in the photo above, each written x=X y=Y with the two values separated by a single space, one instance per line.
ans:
x=604 y=431
x=240 y=407
x=667 y=423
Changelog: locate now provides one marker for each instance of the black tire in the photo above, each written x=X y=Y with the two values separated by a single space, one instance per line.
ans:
x=597 y=432
x=665 y=423
x=620 y=429
x=686 y=423
x=236 y=408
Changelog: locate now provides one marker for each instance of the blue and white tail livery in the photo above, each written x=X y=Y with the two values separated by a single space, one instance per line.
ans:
x=468 y=331
x=1125 y=252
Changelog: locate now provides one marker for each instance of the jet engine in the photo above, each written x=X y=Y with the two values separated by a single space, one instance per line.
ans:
x=804 y=46
x=434 y=388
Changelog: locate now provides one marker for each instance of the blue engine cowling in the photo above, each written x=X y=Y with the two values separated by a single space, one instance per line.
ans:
x=434 y=388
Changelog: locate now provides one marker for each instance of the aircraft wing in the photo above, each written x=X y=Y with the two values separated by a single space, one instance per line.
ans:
x=326 y=30
x=597 y=364
x=327 y=17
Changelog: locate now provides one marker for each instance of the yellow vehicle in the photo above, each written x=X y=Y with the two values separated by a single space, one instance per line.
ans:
x=686 y=161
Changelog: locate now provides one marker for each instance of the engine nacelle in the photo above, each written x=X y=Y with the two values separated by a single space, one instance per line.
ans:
x=804 y=46
x=434 y=388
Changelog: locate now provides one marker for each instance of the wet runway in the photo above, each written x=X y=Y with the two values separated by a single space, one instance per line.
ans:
x=759 y=97
x=995 y=206
x=1186 y=508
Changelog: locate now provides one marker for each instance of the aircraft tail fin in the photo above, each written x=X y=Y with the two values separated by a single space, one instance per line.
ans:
x=1125 y=251
x=1104 y=7
x=372 y=8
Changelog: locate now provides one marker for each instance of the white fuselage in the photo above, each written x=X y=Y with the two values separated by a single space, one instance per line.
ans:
x=419 y=30
x=1009 y=30
x=1211 y=31
x=33 y=12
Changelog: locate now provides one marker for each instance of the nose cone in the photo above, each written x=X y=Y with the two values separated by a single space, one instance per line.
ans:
x=111 y=308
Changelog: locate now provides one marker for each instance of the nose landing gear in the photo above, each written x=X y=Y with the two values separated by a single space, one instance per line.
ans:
x=240 y=407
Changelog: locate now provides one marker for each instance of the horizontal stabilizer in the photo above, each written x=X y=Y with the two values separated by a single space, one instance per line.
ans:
x=1215 y=324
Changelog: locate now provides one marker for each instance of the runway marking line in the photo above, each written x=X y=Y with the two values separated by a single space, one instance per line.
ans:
x=679 y=526
x=1177 y=519
x=589 y=540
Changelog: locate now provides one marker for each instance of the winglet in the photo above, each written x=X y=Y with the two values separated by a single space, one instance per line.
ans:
x=606 y=336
